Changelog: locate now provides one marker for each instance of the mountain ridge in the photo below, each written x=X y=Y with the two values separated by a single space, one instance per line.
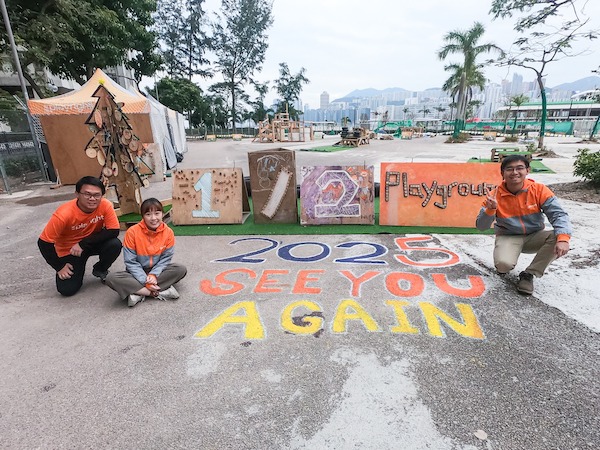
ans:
x=583 y=84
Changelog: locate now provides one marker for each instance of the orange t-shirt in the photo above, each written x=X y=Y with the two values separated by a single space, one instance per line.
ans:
x=69 y=224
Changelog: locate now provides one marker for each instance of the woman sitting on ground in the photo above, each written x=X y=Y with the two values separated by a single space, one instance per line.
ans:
x=148 y=248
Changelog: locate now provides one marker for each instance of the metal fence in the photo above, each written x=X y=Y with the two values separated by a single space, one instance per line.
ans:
x=20 y=163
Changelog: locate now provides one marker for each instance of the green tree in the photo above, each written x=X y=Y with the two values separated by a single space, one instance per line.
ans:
x=465 y=43
x=71 y=38
x=472 y=106
x=240 y=42
x=517 y=100
x=425 y=111
x=181 y=27
x=195 y=40
x=258 y=110
x=169 y=27
x=288 y=87
x=547 y=31
x=11 y=112
x=179 y=94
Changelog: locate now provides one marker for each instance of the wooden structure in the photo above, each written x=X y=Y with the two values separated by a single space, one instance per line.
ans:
x=209 y=196
x=490 y=135
x=499 y=153
x=359 y=136
x=273 y=184
x=337 y=195
x=282 y=129
x=411 y=132
x=118 y=151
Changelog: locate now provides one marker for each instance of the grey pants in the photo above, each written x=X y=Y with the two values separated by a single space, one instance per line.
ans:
x=508 y=248
x=124 y=283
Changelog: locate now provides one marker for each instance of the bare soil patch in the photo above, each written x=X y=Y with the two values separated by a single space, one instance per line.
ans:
x=578 y=191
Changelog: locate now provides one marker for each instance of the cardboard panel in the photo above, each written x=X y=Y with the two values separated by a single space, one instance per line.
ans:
x=273 y=184
x=434 y=194
x=209 y=196
x=67 y=137
x=337 y=195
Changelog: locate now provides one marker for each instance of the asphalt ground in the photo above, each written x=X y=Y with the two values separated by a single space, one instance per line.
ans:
x=308 y=343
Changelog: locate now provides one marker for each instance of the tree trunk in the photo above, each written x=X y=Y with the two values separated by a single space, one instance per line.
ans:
x=232 y=91
x=544 y=111
x=34 y=85
x=459 y=123
x=594 y=128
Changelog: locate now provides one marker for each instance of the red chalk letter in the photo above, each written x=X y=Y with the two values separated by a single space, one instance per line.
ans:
x=476 y=290
x=356 y=282
x=221 y=283
x=303 y=277
x=416 y=284
x=264 y=281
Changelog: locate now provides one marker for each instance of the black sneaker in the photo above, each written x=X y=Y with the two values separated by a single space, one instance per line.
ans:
x=525 y=284
x=100 y=274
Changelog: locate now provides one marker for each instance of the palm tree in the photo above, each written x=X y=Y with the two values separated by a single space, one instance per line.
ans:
x=518 y=100
x=465 y=44
x=452 y=107
x=474 y=78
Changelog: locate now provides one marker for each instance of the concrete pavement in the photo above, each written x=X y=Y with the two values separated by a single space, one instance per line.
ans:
x=307 y=344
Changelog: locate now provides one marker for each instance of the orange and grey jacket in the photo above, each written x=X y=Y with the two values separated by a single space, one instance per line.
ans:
x=523 y=213
x=146 y=251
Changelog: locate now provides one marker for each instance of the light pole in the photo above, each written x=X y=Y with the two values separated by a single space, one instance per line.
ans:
x=17 y=63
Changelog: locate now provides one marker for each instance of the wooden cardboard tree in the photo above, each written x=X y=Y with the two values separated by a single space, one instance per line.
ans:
x=118 y=151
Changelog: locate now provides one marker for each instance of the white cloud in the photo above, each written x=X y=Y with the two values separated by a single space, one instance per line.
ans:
x=347 y=45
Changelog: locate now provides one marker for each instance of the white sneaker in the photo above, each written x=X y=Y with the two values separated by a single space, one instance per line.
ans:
x=134 y=299
x=169 y=294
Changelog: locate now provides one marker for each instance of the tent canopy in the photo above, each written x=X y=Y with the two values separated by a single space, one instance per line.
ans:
x=81 y=100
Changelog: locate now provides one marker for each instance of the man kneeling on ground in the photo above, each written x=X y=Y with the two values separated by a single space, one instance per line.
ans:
x=78 y=229
x=518 y=206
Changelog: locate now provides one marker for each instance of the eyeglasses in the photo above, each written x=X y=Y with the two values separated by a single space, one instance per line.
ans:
x=90 y=196
x=515 y=169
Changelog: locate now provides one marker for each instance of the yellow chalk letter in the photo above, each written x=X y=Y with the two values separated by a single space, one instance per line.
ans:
x=310 y=324
x=468 y=328
x=342 y=316
x=404 y=325
x=253 y=328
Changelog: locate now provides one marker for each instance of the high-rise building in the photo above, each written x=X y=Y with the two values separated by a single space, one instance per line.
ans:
x=516 y=87
x=324 y=103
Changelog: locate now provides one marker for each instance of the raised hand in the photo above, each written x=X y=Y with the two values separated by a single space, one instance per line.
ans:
x=490 y=199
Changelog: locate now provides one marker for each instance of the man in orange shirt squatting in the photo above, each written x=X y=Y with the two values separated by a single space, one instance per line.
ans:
x=78 y=229
x=518 y=206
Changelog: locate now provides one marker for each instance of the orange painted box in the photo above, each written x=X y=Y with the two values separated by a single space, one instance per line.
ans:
x=434 y=194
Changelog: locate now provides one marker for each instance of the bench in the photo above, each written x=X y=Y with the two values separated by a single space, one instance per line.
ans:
x=498 y=153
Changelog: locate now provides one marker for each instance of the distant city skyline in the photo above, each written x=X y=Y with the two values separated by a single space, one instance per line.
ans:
x=430 y=103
